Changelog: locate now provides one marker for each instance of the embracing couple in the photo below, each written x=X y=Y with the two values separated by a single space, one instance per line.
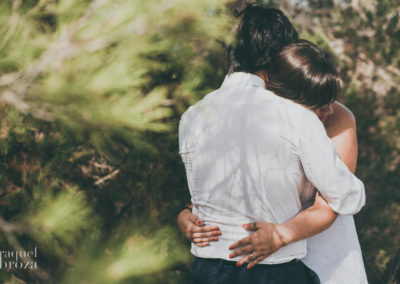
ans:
x=269 y=159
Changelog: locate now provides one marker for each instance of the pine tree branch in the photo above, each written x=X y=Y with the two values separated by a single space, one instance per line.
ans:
x=108 y=177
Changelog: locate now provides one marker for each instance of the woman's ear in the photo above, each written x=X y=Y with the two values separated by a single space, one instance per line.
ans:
x=263 y=75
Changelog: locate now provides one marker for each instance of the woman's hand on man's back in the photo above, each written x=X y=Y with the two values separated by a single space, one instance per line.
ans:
x=195 y=230
x=264 y=241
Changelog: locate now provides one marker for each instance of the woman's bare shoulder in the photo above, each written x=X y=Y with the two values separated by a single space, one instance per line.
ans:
x=340 y=120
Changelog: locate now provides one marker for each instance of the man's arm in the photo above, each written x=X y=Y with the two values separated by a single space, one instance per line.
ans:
x=268 y=237
x=341 y=128
x=344 y=192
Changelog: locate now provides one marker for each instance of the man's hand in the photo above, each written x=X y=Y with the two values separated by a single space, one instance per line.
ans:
x=265 y=240
x=195 y=231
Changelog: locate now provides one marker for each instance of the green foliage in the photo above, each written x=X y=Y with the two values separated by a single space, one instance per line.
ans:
x=59 y=216
x=136 y=257
x=91 y=93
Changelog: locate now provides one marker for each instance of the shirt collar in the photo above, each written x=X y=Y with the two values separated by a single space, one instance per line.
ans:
x=238 y=78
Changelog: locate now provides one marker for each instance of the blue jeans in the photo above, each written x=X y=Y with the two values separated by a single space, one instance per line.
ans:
x=219 y=271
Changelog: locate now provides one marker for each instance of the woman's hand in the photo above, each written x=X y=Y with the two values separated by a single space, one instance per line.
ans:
x=268 y=237
x=195 y=231
x=265 y=240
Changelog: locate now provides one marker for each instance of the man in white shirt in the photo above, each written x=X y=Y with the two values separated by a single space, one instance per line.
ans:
x=247 y=153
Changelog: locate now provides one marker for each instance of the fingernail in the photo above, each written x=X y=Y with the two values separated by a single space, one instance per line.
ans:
x=248 y=267
x=219 y=234
x=231 y=255
x=244 y=226
x=199 y=222
x=238 y=264
x=215 y=239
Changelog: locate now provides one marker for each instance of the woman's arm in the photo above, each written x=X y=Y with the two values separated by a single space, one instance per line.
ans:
x=341 y=128
x=268 y=237
x=194 y=229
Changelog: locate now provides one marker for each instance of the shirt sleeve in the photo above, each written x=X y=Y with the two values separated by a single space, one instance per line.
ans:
x=344 y=192
x=185 y=144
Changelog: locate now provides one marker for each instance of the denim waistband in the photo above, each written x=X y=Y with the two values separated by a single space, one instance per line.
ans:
x=233 y=263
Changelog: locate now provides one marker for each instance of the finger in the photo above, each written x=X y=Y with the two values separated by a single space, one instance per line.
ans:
x=206 y=244
x=207 y=234
x=247 y=259
x=254 y=262
x=204 y=240
x=195 y=220
x=240 y=243
x=203 y=229
x=250 y=226
x=199 y=222
x=242 y=251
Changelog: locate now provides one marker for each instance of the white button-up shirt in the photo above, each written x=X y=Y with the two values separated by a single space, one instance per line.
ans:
x=248 y=153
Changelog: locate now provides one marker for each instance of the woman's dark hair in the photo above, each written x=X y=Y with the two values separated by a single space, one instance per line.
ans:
x=305 y=74
x=261 y=33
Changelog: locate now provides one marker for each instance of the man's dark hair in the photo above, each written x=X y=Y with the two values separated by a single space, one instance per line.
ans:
x=304 y=73
x=261 y=33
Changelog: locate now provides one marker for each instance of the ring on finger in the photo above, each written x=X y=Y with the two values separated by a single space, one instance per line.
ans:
x=252 y=256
